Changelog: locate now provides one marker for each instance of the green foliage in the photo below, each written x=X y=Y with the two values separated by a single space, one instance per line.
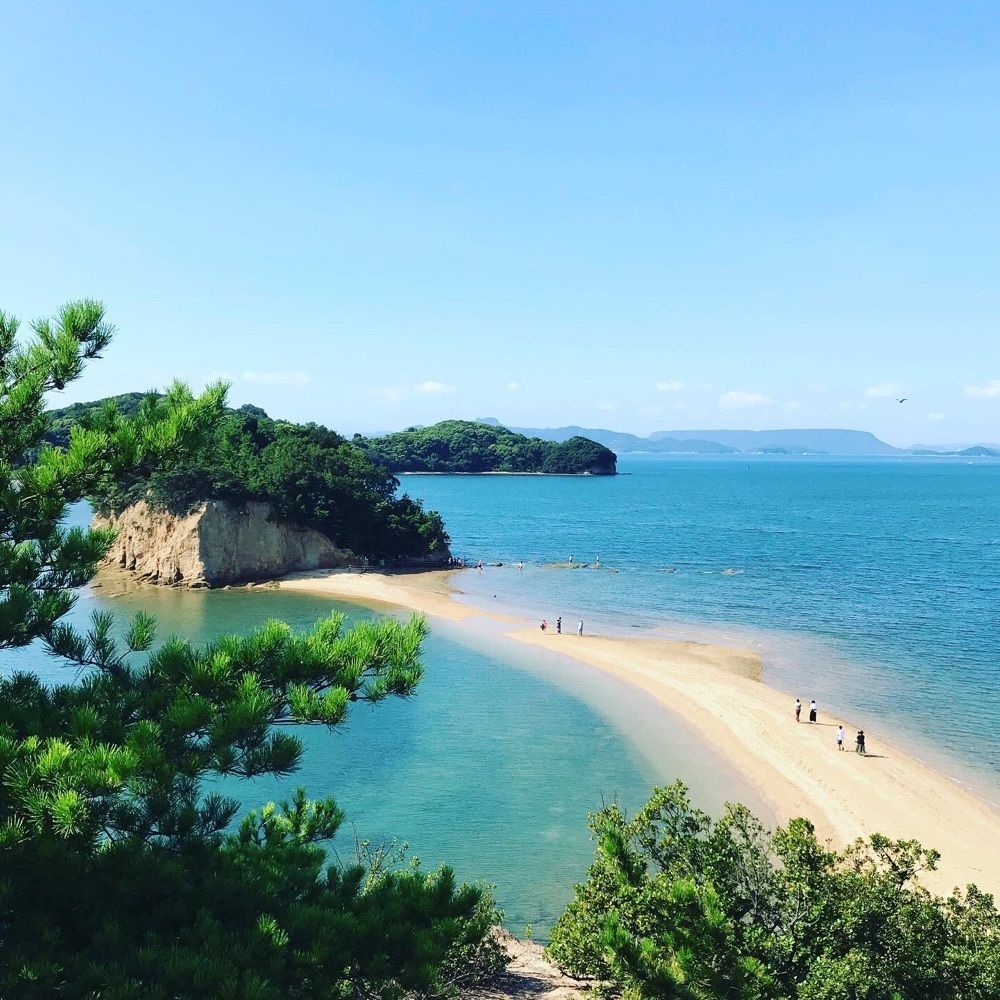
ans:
x=678 y=906
x=466 y=446
x=309 y=475
x=120 y=872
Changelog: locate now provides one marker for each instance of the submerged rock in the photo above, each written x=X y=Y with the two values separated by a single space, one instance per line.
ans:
x=216 y=545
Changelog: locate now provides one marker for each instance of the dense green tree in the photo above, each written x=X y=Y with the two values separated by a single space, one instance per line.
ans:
x=678 y=906
x=308 y=474
x=121 y=874
x=469 y=446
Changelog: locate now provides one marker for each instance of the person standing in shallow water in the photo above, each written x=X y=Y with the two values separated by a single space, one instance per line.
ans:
x=812 y=710
x=798 y=710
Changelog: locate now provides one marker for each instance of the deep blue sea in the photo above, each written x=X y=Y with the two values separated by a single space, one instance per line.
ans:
x=872 y=585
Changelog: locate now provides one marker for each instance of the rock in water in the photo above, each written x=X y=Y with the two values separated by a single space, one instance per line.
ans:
x=218 y=543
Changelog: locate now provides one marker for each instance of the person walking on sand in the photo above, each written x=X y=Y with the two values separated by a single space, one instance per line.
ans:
x=544 y=625
x=798 y=710
x=812 y=710
x=579 y=627
x=859 y=743
x=840 y=737
x=559 y=625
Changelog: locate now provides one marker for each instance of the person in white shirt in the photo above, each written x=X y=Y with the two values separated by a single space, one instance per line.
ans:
x=840 y=738
x=812 y=710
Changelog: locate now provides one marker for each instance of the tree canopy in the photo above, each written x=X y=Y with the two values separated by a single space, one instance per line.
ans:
x=678 y=906
x=121 y=873
x=309 y=475
x=468 y=446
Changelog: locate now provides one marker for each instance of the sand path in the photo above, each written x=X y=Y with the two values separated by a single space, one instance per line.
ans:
x=796 y=768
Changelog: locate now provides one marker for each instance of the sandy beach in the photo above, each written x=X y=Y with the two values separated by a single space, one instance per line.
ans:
x=796 y=768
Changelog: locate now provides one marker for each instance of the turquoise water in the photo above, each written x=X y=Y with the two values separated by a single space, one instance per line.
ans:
x=492 y=767
x=870 y=585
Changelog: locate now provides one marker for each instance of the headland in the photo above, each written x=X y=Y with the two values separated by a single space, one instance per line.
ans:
x=795 y=767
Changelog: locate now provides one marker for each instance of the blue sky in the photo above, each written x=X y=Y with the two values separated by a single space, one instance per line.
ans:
x=643 y=216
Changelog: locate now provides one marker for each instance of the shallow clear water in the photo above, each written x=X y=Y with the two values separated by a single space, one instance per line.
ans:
x=871 y=585
x=492 y=767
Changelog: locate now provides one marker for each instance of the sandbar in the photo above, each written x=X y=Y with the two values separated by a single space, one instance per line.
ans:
x=795 y=767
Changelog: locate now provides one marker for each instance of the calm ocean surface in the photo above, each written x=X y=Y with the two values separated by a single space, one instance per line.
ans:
x=872 y=585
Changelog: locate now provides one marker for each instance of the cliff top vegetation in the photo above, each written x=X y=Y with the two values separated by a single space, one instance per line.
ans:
x=309 y=475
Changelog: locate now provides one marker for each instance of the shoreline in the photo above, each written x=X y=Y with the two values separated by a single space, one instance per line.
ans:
x=795 y=768
x=564 y=475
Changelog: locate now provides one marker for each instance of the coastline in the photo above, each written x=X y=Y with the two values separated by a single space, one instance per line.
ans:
x=564 y=475
x=795 y=768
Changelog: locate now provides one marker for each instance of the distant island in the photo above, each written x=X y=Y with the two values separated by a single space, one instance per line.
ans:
x=789 y=441
x=468 y=446
x=256 y=498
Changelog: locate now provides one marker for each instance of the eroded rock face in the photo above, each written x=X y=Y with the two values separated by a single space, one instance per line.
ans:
x=216 y=544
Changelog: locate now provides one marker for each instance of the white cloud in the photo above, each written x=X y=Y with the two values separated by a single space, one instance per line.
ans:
x=392 y=393
x=607 y=407
x=989 y=391
x=277 y=378
x=734 y=400
x=848 y=405
x=884 y=391
x=670 y=385
x=433 y=388
x=935 y=416
x=513 y=386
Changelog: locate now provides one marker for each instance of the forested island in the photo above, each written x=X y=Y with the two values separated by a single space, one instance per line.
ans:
x=252 y=498
x=468 y=446
x=309 y=476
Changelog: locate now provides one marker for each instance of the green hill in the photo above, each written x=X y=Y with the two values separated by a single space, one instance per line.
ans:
x=469 y=446
x=310 y=476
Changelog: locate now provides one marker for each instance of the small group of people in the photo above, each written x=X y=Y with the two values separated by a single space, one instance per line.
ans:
x=859 y=740
x=545 y=625
x=812 y=710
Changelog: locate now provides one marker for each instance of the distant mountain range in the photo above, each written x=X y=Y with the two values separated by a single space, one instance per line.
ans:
x=823 y=441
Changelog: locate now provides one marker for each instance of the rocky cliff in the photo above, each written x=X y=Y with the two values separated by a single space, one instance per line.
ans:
x=216 y=544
